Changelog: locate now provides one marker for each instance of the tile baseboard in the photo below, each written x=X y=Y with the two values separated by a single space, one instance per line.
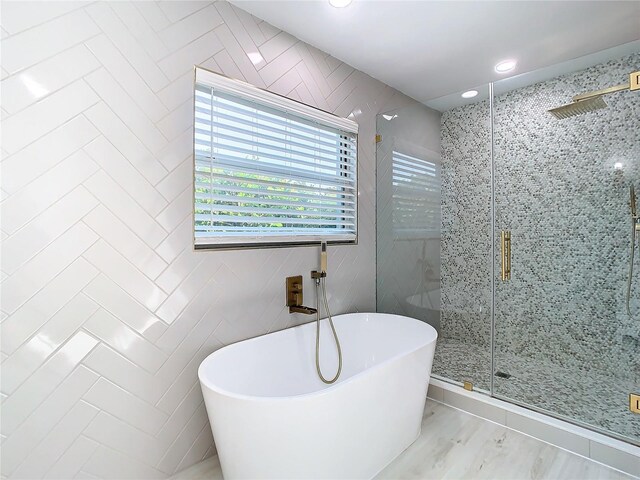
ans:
x=608 y=451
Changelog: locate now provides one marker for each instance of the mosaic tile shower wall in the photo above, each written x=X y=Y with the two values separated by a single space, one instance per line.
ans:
x=466 y=246
x=562 y=188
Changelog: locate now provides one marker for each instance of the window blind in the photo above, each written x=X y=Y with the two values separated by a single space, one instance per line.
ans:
x=265 y=174
x=416 y=196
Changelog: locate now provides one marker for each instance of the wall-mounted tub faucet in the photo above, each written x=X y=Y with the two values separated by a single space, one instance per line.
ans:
x=294 y=297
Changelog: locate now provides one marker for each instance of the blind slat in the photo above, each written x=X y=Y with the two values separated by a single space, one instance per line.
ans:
x=265 y=173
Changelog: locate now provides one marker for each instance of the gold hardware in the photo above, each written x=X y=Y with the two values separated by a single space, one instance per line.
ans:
x=294 y=296
x=634 y=80
x=468 y=385
x=378 y=138
x=592 y=101
x=505 y=249
x=634 y=402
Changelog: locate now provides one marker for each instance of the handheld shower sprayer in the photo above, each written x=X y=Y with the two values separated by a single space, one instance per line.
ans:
x=323 y=257
x=320 y=277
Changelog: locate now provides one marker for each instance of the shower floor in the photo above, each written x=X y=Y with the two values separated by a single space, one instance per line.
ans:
x=593 y=398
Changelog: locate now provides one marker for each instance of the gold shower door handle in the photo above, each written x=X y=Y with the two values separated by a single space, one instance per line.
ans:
x=505 y=254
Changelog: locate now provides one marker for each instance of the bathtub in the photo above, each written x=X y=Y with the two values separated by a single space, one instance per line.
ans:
x=272 y=417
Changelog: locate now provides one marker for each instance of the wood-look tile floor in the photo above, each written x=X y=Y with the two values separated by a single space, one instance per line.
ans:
x=456 y=445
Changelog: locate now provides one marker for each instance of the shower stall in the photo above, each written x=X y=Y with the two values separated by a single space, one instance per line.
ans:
x=514 y=235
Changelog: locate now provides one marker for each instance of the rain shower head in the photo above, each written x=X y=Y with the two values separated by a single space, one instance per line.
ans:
x=592 y=101
x=578 y=108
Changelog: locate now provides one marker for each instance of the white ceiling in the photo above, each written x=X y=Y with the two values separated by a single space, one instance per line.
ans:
x=429 y=49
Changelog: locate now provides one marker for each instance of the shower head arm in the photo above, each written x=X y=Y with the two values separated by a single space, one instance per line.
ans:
x=598 y=93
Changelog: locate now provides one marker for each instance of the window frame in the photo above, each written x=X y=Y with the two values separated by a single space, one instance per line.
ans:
x=258 y=95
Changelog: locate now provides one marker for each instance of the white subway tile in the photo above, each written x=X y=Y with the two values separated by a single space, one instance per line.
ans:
x=37 y=234
x=124 y=438
x=19 y=326
x=61 y=437
x=36 y=44
x=182 y=443
x=153 y=14
x=126 y=142
x=180 y=148
x=118 y=168
x=112 y=298
x=177 y=121
x=124 y=106
x=177 y=11
x=110 y=24
x=32 y=354
x=47 y=380
x=116 y=267
x=20 y=169
x=127 y=77
x=26 y=204
x=185 y=292
x=277 y=45
x=179 y=239
x=179 y=179
x=122 y=339
x=185 y=31
x=29 y=124
x=141 y=28
x=121 y=238
x=250 y=24
x=28 y=86
x=40 y=270
x=183 y=60
x=180 y=268
x=199 y=448
x=125 y=208
x=107 y=463
x=121 y=371
x=18 y=16
x=239 y=56
x=178 y=91
x=121 y=404
x=181 y=206
x=228 y=13
x=72 y=460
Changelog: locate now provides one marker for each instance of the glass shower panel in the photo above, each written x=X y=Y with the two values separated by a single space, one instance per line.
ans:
x=408 y=213
x=563 y=341
x=463 y=351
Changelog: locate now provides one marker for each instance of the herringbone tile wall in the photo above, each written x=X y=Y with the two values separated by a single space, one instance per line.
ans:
x=106 y=309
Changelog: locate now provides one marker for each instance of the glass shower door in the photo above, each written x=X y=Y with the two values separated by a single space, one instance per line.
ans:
x=563 y=340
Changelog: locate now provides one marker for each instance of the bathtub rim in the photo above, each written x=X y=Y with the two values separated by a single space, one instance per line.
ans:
x=204 y=382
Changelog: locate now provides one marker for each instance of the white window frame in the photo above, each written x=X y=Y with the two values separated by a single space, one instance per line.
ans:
x=252 y=93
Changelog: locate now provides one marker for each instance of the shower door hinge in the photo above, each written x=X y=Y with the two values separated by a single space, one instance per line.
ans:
x=634 y=402
x=467 y=385
x=378 y=138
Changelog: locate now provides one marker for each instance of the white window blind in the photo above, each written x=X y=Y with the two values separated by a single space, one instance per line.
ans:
x=416 y=196
x=269 y=170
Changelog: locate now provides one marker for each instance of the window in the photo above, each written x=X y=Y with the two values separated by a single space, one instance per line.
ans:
x=416 y=196
x=269 y=171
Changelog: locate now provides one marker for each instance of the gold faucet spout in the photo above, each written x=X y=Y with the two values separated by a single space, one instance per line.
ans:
x=302 y=309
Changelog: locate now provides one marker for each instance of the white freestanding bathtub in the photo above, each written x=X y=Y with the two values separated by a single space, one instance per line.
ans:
x=272 y=417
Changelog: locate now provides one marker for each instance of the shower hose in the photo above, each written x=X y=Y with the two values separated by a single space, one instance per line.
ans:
x=333 y=329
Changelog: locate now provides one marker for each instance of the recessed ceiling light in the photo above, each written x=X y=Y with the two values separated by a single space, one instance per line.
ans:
x=340 y=3
x=506 y=66
x=470 y=94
